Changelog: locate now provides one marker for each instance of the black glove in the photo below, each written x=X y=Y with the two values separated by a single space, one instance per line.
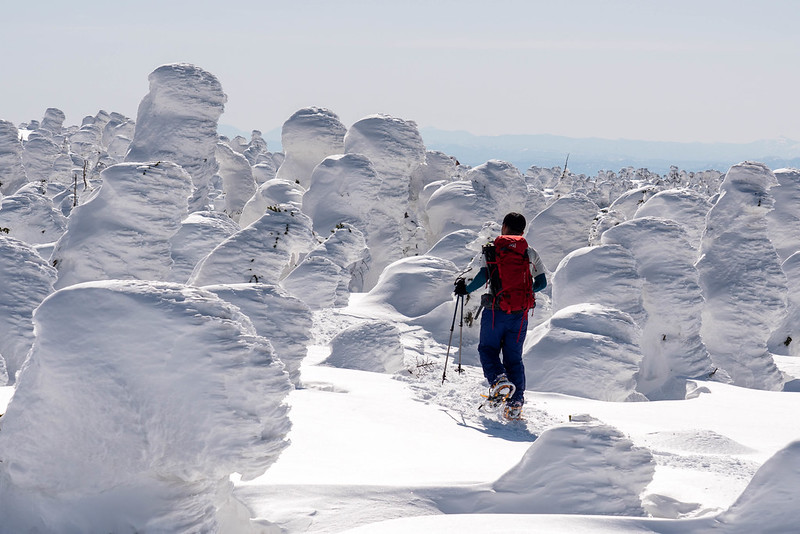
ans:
x=461 y=287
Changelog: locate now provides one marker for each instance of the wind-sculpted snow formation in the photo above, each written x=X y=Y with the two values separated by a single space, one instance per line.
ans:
x=177 y=122
x=182 y=394
x=743 y=284
x=277 y=316
x=12 y=173
x=672 y=349
x=309 y=136
x=772 y=489
x=25 y=280
x=124 y=231
x=785 y=337
x=264 y=252
x=586 y=350
x=583 y=468
x=383 y=338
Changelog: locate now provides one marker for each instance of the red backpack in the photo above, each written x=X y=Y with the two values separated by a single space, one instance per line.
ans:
x=510 y=273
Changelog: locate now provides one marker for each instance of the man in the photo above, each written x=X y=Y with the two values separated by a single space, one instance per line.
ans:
x=514 y=272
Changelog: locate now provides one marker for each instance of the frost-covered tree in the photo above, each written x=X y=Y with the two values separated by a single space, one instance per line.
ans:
x=198 y=234
x=271 y=193
x=263 y=252
x=29 y=215
x=605 y=274
x=740 y=273
x=672 y=349
x=309 y=136
x=486 y=193
x=783 y=222
x=238 y=184
x=286 y=321
x=395 y=148
x=142 y=421
x=586 y=350
x=562 y=227
x=331 y=271
x=124 y=231
x=683 y=206
x=12 y=173
x=25 y=280
x=177 y=121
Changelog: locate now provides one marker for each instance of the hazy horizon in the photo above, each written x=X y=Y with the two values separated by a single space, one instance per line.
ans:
x=714 y=71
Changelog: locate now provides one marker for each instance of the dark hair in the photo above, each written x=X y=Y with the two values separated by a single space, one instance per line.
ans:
x=515 y=222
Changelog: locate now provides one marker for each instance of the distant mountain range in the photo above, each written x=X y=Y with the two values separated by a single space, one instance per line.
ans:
x=590 y=155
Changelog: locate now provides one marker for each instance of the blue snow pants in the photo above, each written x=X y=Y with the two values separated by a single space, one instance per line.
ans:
x=503 y=332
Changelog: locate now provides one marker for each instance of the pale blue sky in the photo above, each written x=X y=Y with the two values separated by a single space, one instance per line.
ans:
x=715 y=70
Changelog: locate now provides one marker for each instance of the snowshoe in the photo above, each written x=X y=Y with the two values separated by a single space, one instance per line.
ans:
x=499 y=392
x=513 y=411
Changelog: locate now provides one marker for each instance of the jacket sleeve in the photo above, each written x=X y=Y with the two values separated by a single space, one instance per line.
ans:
x=479 y=280
x=539 y=283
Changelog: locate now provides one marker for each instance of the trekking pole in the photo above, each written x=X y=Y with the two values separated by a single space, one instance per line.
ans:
x=459 y=370
x=459 y=300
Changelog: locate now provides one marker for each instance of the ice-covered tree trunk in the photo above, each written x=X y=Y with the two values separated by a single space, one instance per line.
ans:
x=25 y=280
x=309 y=136
x=672 y=349
x=743 y=284
x=177 y=121
x=12 y=173
x=142 y=421
x=124 y=231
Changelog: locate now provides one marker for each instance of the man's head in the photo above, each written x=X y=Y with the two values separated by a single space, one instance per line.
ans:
x=514 y=224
